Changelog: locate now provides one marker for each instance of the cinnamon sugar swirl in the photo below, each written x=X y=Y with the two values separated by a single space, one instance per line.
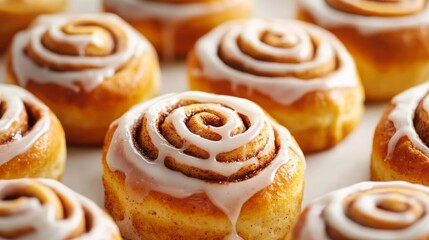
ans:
x=88 y=68
x=195 y=165
x=32 y=142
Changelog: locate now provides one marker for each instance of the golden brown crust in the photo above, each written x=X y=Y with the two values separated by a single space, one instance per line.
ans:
x=406 y=162
x=45 y=158
x=316 y=120
x=17 y=15
x=143 y=206
x=43 y=208
x=388 y=62
x=184 y=33
x=267 y=214
x=86 y=115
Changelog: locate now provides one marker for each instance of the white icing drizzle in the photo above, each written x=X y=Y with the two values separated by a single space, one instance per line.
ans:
x=328 y=16
x=15 y=97
x=228 y=197
x=168 y=12
x=284 y=90
x=31 y=212
x=402 y=116
x=103 y=67
x=329 y=210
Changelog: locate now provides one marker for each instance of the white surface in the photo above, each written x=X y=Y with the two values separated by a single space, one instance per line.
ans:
x=341 y=166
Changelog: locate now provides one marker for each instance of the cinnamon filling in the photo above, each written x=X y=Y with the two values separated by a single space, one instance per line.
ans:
x=106 y=39
x=204 y=120
x=17 y=200
x=288 y=51
x=421 y=121
x=21 y=125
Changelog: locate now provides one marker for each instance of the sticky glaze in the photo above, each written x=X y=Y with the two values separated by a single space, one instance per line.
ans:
x=284 y=90
x=26 y=69
x=32 y=212
x=329 y=210
x=328 y=16
x=402 y=115
x=15 y=98
x=228 y=197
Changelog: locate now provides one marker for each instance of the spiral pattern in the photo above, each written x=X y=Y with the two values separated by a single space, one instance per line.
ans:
x=283 y=59
x=23 y=119
x=370 y=210
x=368 y=17
x=46 y=209
x=194 y=142
x=384 y=8
x=75 y=51
x=204 y=136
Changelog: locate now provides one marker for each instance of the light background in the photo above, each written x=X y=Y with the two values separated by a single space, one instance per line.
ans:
x=341 y=166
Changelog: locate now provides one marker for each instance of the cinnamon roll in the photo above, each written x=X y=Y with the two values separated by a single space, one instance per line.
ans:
x=16 y=15
x=388 y=39
x=32 y=142
x=195 y=165
x=366 y=211
x=173 y=26
x=88 y=68
x=41 y=209
x=301 y=74
x=400 y=146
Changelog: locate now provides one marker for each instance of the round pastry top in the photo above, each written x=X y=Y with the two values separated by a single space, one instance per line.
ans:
x=284 y=59
x=171 y=11
x=369 y=210
x=193 y=142
x=402 y=115
x=369 y=16
x=41 y=209
x=75 y=51
x=23 y=120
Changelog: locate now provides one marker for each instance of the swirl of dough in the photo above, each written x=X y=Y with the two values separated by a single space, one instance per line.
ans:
x=283 y=59
x=368 y=17
x=75 y=51
x=369 y=210
x=46 y=209
x=23 y=119
x=193 y=142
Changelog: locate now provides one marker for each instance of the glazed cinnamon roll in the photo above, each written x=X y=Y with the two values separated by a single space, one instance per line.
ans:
x=400 y=146
x=173 y=26
x=301 y=74
x=388 y=39
x=42 y=209
x=16 y=15
x=32 y=142
x=195 y=165
x=366 y=211
x=88 y=68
